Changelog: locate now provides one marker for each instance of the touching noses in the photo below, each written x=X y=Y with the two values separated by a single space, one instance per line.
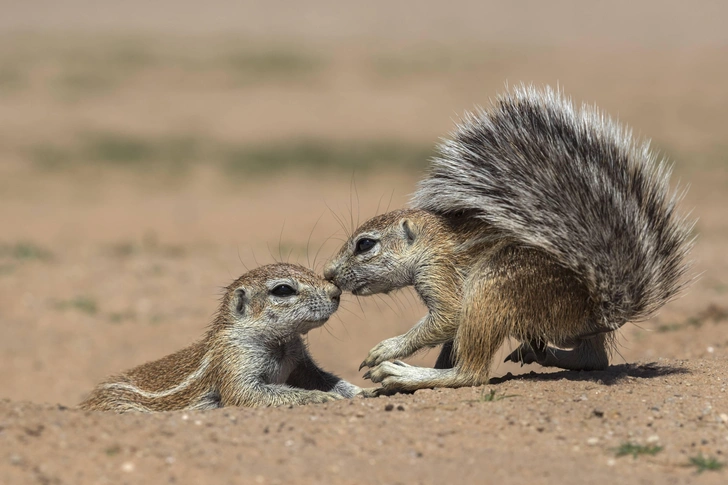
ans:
x=334 y=292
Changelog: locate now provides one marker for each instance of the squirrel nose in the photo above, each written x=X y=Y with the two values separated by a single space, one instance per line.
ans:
x=330 y=271
x=334 y=292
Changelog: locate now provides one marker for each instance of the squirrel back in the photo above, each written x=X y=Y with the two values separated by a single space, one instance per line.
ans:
x=575 y=184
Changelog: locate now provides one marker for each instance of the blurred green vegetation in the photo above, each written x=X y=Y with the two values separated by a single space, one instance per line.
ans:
x=636 y=450
x=176 y=154
x=705 y=463
x=76 y=68
x=24 y=251
x=266 y=64
x=92 y=70
x=84 y=304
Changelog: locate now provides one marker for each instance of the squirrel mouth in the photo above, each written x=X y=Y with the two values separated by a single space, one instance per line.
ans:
x=309 y=325
x=361 y=291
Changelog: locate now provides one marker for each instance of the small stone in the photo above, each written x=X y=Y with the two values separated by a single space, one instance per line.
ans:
x=128 y=467
x=653 y=439
x=288 y=443
x=592 y=441
x=185 y=417
x=389 y=407
x=724 y=418
x=169 y=460
x=710 y=350
x=611 y=462
x=598 y=413
x=400 y=408
x=198 y=422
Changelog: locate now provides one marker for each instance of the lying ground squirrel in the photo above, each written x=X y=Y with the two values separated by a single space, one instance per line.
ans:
x=538 y=221
x=252 y=355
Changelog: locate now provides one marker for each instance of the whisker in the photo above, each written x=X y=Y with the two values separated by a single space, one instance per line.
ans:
x=308 y=241
x=390 y=201
x=320 y=248
x=241 y=259
x=280 y=238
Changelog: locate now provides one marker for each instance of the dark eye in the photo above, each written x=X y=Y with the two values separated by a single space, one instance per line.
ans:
x=283 y=290
x=364 y=245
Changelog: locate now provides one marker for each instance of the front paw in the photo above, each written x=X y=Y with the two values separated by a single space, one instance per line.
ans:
x=318 y=397
x=390 y=349
x=387 y=370
x=396 y=376
x=346 y=389
x=370 y=392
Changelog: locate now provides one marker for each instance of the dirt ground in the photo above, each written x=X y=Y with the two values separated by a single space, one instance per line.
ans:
x=147 y=160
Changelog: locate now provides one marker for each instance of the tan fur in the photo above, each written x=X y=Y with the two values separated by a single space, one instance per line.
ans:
x=252 y=355
x=480 y=288
x=538 y=220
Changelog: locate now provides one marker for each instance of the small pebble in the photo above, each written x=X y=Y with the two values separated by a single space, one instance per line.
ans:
x=653 y=439
x=400 y=408
x=592 y=441
x=711 y=350
x=389 y=407
x=127 y=467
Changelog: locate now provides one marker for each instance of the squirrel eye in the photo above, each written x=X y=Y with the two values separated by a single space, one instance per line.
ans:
x=283 y=291
x=365 y=244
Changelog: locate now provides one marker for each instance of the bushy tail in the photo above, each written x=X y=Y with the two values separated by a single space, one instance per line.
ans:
x=574 y=183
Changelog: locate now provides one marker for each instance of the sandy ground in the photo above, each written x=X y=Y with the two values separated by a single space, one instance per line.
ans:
x=106 y=264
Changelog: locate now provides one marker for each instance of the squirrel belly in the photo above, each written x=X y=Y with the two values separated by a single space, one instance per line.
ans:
x=537 y=221
x=253 y=355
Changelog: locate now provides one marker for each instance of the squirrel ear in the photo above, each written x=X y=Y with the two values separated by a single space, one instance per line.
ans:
x=239 y=301
x=409 y=230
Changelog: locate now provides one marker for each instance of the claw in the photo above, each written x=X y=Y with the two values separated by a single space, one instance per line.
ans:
x=508 y=358
x=367 y=375
x=363 y=364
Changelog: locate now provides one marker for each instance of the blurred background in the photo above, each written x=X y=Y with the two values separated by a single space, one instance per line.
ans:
x=150 y=152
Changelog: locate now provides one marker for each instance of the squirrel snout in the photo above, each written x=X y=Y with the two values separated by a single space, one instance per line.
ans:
x=329 y=271
x=334 y=292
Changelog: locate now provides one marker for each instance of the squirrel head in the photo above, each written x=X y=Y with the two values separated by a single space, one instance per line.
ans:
x=383 y=253
x=278 y=300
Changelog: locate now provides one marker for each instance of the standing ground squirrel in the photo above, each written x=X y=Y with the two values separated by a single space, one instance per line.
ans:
x=538 y=221
x=252 y=355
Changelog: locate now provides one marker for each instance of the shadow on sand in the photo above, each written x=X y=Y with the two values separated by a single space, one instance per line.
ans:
x=612 y=375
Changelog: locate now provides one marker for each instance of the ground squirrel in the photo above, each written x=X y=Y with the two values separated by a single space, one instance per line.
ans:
x=538 y=221
x=252 y=355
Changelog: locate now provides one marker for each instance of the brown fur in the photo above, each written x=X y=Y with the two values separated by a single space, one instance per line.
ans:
x=480 y=288
x=252 y=355
x=538 y=220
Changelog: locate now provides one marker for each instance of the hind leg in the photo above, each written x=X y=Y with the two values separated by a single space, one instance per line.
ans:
x=588 y=354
